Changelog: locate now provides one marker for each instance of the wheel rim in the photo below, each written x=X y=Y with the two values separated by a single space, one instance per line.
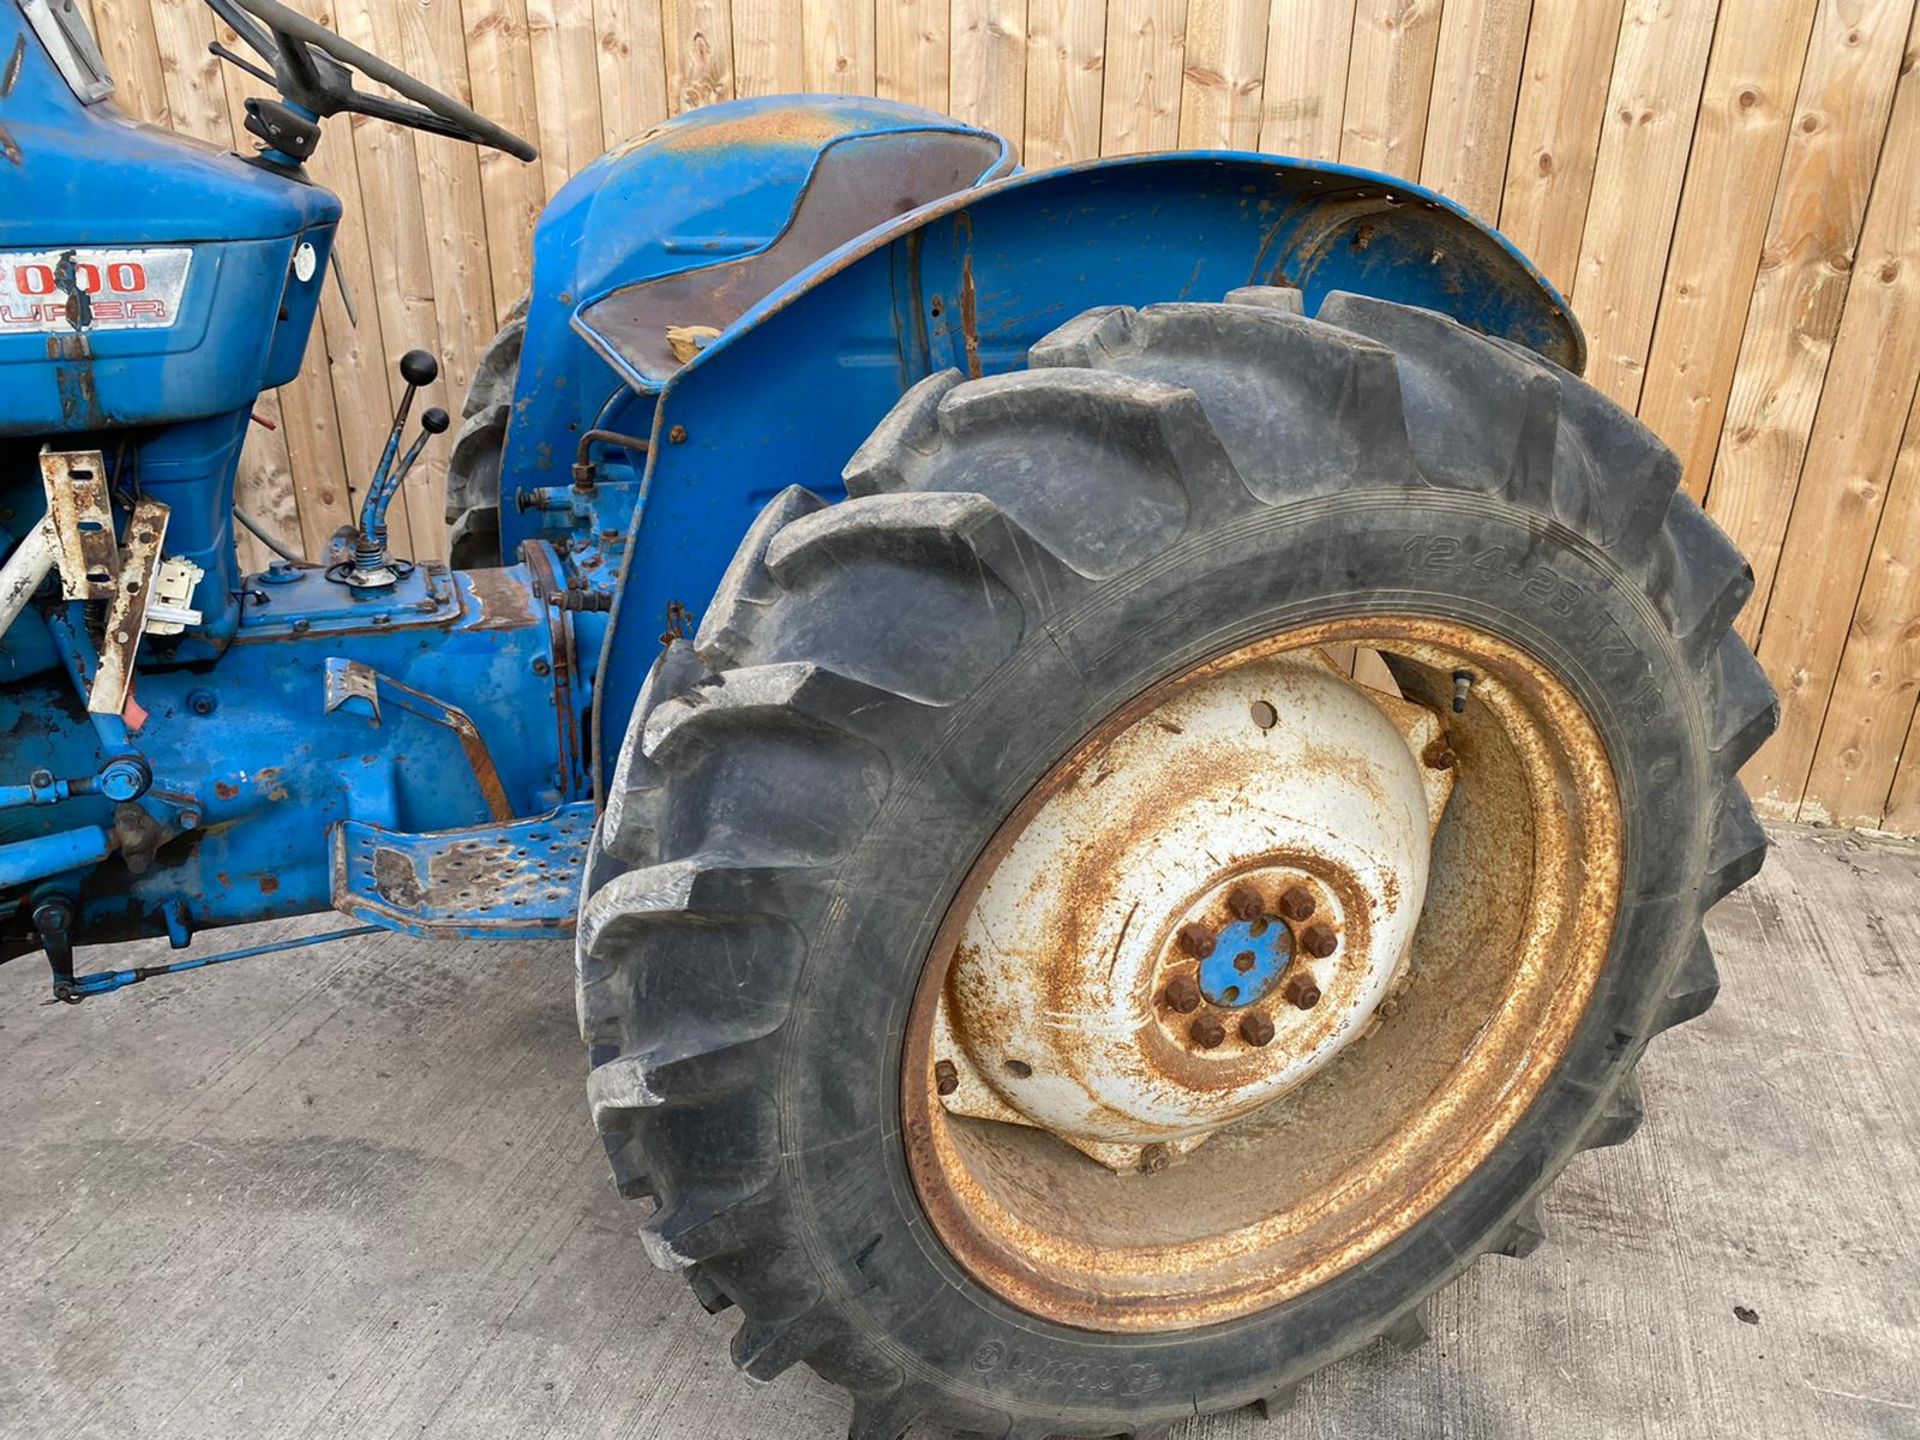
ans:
x=1137 y=1177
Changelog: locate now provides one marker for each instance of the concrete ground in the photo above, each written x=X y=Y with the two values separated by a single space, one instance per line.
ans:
x=353 y=1192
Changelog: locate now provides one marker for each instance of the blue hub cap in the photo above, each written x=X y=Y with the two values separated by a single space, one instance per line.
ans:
x=1248 y=959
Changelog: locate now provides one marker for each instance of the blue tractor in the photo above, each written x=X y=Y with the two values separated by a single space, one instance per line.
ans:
x=1131 y=758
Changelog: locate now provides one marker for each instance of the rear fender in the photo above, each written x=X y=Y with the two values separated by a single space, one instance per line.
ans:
x=793 y=385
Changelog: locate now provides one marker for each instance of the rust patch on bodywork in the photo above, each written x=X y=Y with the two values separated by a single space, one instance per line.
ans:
x=504 y=602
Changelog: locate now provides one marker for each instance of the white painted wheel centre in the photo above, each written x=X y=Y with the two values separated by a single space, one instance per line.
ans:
x=1201 y=910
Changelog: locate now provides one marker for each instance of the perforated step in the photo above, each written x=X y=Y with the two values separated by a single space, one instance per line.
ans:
x=520 y=880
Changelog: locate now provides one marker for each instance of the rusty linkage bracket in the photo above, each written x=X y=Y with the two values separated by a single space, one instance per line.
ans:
x=140 y=588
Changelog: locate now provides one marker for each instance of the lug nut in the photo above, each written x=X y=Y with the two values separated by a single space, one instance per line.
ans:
x=946 y=1078
x=1302 y=993
x=1245 y=903
x=1196 y=940
x=1296 y=904
x=1154 y=1158
x=1183 y=994
x=1319 y=941
x=1256 y=1029
x=1438 y=755
x=1208 y=1032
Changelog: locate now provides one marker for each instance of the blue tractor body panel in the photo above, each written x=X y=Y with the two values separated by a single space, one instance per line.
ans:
x=793 y=385
x=737 y=297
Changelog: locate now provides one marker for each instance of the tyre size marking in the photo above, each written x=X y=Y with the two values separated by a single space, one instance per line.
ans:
x=1128 y=1380
x=80 y=290
x=1605 y=646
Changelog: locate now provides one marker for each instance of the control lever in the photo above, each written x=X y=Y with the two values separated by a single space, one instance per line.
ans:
x=372 y=567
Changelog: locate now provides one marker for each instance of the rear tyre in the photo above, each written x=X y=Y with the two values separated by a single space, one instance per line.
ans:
x=808 y=792
x=473 y=473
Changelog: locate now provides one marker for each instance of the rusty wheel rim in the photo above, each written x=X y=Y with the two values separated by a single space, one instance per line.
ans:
x=1518 y=917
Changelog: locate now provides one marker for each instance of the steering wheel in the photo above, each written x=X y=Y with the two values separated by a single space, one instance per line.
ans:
x=313 y=68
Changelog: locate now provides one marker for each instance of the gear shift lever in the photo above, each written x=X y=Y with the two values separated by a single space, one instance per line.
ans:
x=371 y=566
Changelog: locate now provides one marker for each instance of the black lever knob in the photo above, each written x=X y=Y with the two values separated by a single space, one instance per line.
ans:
x=435 y=421
x=417 y=367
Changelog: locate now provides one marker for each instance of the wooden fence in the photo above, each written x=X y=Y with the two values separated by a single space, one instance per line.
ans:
x=1729 y=192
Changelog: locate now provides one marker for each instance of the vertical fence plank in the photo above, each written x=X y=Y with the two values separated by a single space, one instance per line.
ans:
x=1840 y=119
x=131 y=48
x=1652 y=104
x=500 y=71
x=1390 y=84
x=1146 y=45
x=1869 y=718
x=837 y=46
x=987 y=77
x=633 y=68
x=402 y=263
x=1066 y=64
x=1221 y=100
x=1476 y=82
x=1758 y=51
x=1850 y=457
x=1304 y=90
x=910 y=51
x=698 y=35
x=566 y=86
x=1556 y=131
x=766 y=61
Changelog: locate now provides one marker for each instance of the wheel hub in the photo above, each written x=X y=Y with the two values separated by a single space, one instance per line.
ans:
x=1212 y=900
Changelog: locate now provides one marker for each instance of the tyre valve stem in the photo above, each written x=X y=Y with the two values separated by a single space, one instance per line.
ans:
x=1462 y=683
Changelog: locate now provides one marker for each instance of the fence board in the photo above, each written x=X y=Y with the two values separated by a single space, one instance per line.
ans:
x=1556 y=131
x=1647 y=128
x=1220 y=100
x=1304 y=93
x=500 y=71
x=1752 y=77
x=698 y=35
x=910 y=51
x=837 y=48
x=1476 y=82
x=987 y=83
x=765 y=59
x=1066 y=68
x=633 y=69
x=1390 y=84
x=1846 y=93
x=1850 y=457
x=1146 y=55
x=1868 y=720
x=1697 y=174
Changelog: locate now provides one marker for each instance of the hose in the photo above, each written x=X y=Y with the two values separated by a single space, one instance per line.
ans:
x=255 y=529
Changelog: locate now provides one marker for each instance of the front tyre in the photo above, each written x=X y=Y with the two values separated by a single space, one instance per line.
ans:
x=1043 y=992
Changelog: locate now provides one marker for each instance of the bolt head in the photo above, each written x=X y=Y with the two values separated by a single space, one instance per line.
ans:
x=1244 y=902
x=1196 y=940
x=1302 y=992
x=1296 y=903
x=1319 y=941
x=1438 y=755
x=1154 y=1158
x=1183 y=994
x=1256 y=1028
x=946 y=1077
x=1208 y=1032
